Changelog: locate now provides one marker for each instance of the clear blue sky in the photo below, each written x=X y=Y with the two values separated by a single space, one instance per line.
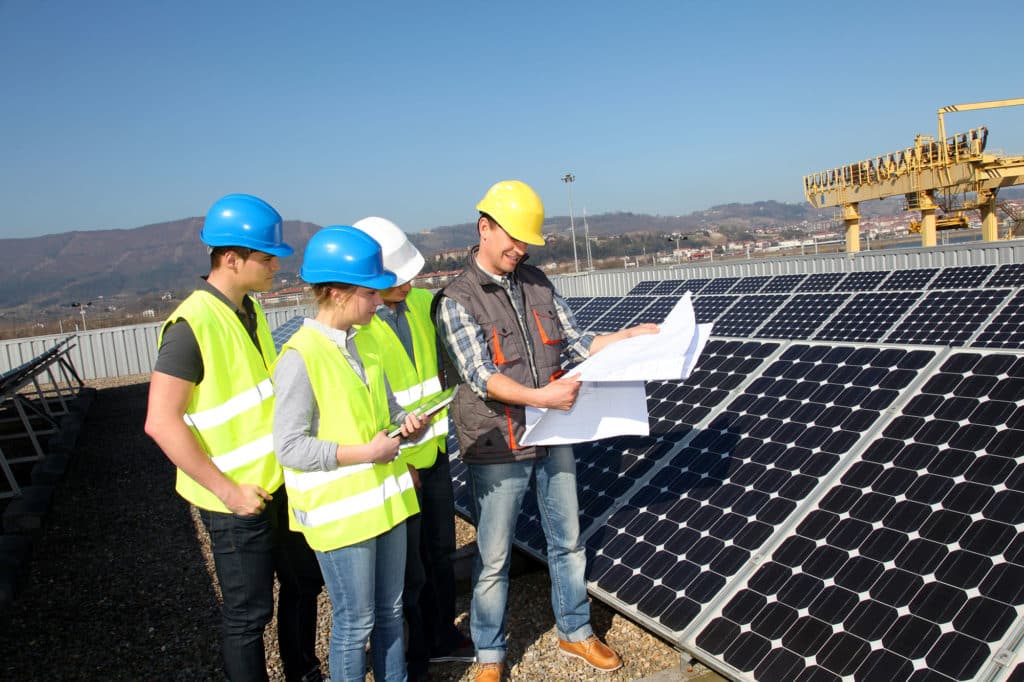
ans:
x=118 y=113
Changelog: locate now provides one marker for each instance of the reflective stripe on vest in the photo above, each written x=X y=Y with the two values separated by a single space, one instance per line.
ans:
x=353 y=503
x=231 y=409
x=413 y=382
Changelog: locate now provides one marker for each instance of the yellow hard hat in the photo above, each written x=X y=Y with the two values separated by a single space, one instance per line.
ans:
x=517 y=208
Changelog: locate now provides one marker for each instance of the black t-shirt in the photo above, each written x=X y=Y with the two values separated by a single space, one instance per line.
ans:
x=179 y=354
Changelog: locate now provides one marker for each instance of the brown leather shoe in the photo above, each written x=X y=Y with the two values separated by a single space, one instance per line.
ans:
x=489 y=672
x=593 y=652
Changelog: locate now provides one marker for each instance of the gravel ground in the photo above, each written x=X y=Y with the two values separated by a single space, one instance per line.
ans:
x=121 y=584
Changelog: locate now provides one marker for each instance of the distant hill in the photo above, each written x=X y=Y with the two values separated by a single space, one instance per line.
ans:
x=57 y=269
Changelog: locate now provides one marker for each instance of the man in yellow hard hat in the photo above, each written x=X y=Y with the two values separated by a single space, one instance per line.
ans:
x=505 y=328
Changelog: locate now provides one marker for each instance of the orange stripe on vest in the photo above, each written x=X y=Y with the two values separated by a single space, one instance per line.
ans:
x=499 y=356
x=543 y=335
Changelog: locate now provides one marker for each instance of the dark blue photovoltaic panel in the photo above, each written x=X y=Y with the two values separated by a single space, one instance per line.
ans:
x=750 y=285
x=694 y=286
x=821 y=281
x=285 y=330
x=642 y=288
x=577 y=302
x=868 y=317
x=911 y=567
x=914 y=280
x=656 y=312
x=708 y=308
x=597 y=307
x=862 y=281
x=1009 y=275
x=1007 y=329
x=802 y=316
x=966 y=277
x=783 y=284
x=747 y=315
x=720 y=285
x=947 y=317
x=680 y=538
x=666 y=287
x=620 y=314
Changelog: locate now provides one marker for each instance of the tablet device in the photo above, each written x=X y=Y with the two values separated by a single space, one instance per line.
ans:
x=428 y=409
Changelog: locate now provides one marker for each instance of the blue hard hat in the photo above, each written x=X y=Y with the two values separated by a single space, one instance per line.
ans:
x=346 y=255
x=245 y=220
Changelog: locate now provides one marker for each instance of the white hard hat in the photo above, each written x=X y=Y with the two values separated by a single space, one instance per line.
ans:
x=400 y=255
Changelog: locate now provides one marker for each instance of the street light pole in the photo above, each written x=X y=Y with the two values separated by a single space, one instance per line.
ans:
x=568 y=179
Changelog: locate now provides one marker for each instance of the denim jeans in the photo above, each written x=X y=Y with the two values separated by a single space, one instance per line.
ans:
x=498 y=491
x=247 y=550
x=365 y=584
x=429 y=600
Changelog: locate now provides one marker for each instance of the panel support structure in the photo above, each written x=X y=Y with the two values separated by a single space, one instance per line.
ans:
x=851 y=217
x=989 y=219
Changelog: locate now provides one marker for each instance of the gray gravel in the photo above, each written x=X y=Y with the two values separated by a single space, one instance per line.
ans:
x=121 y=584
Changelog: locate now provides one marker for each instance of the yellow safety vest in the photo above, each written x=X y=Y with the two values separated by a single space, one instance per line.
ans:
x=359 y=501
x=231 y=410
x=412 y=383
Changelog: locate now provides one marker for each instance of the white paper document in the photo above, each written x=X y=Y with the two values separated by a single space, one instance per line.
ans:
x=612 y=400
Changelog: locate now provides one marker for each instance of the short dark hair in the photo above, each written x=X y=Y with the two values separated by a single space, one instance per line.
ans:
x=217 y=253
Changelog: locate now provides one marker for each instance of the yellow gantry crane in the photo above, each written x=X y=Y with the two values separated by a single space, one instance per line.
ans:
x=933 y=165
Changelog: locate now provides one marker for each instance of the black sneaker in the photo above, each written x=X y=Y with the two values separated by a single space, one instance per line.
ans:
x=463 y=652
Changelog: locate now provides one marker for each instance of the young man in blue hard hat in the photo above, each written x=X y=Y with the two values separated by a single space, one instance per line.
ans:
x=404 y=329
x=505 y=328
x=210 y=410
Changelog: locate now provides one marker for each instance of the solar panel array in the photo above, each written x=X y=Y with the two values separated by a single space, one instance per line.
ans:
x=837 y=491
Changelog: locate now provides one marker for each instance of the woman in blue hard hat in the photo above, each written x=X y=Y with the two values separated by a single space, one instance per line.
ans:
x=210 y=411
x=349 y=492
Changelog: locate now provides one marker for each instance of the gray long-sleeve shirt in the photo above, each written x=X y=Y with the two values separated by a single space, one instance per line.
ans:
x=296 y=414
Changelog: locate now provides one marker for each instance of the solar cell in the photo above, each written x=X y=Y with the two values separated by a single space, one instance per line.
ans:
x=750 y=285
x=782 y=284
x=802 y=315
x=693 y=286
x=908 y=279
x=597 y=307
x=620 y=314
x=1009 y=275
x=861 y=281
x=656 y=312
x=947 y=317
x=666 y=287
x=965 y=277
x=1006 y=330
x=821 y=281
x=720 y=285
x=747 y=315
x=868 y=317
x=643 y=288
x=911 y=565
x=708 y=308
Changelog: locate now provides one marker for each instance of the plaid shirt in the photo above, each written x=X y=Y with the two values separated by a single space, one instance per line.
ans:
x=465 y=342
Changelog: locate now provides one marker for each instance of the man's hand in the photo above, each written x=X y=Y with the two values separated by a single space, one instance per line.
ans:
x=246 y=499
x=561 y=393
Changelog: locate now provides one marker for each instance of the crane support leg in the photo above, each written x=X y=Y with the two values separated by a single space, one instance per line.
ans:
x=989 y=219
x=851 y=217
x=927 y=206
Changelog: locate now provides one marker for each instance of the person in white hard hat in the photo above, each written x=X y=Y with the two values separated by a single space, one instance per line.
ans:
x=403 y=328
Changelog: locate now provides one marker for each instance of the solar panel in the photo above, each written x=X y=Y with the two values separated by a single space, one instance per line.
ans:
x=673 y=547
x=908 y=279
x=750 y=285
x=1009 y=275
x=782 y=284
x=284 y=331
x=821 y=281
x=693 y=286
x=620 y=314
x=748 y=314
x=708 y=308
x=597 y=307
x=666 y=287
x=720 y=285
x=577 y=302
x=910 y=566
x=642 y=288
x=947 y=317
x=656 y=312
x=861 y=281
x=802 y=316
x=966 y=277
x=868 y=317
x=1007 y=329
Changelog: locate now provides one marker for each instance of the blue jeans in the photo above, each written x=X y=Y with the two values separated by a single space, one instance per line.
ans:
x=365 y=584
x=498 y=491
x=247 y=551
